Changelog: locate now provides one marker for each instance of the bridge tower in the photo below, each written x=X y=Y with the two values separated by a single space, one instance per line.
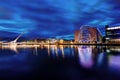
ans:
x=14 y=41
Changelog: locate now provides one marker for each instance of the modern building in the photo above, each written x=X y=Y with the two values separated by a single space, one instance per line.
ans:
x=77 y=32
x=50 y=40
x=112 y=34
x=88 y=34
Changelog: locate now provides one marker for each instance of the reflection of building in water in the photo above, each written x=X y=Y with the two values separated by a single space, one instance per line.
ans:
x=100 y=58
x=113 y=48
x=55 y=50
x=85 y=56
x=48 y=47
x=52 y=50
x=72 y=50
x=102 y=61
x=35 y=51
x=114 y=62
x=88 y=34
x=61 y=51
x=113 y=34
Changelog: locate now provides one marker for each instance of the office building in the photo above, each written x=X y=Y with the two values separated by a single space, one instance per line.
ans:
x=77 y=32
x=112 y=34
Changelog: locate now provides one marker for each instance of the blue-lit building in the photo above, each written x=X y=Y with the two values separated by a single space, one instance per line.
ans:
x=88 y=34
x=113 y=34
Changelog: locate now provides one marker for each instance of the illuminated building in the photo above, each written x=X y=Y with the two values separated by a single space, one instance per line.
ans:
x=77 y=32
x=112 y=34
x=88 y=34
x=61 y=41
x=51 y=40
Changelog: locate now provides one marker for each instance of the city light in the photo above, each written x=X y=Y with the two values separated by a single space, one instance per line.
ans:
x=112 y=28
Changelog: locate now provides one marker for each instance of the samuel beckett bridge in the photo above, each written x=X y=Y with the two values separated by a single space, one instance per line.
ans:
x=14 y=45
x=14 y=42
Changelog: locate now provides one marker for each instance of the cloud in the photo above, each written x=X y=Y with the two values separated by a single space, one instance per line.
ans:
x=56 y=17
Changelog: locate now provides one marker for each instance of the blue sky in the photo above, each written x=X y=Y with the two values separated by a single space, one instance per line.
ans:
x=48 y=18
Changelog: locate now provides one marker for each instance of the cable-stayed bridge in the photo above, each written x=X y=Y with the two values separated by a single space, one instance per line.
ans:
x=13 y=42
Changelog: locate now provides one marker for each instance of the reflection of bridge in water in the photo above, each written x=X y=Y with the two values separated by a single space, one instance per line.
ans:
x=15 y=47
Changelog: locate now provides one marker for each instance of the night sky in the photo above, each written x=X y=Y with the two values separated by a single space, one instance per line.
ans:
x=50 y=18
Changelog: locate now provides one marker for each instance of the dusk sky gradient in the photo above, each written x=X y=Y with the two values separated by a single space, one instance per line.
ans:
x=60 y=18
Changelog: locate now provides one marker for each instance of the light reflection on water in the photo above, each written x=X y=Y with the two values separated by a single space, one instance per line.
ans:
x=85 y=59
x=101 y=57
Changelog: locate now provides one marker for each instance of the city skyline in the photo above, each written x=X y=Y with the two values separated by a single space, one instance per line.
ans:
x=59 y=39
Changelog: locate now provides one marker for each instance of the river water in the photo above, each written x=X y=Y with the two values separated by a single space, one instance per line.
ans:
x=59 y=62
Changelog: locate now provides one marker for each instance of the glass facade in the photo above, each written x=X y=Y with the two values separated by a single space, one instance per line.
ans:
x=113 y=34
x=89 y=34
x=85 y=34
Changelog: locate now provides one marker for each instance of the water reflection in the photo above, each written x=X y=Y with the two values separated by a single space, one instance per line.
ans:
x=88 y=56
x=85 y=56
x=114 y=57
x=55 y=50
x=15 y=47
x=114 y=62
x=98 y=58
x=12 y=47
